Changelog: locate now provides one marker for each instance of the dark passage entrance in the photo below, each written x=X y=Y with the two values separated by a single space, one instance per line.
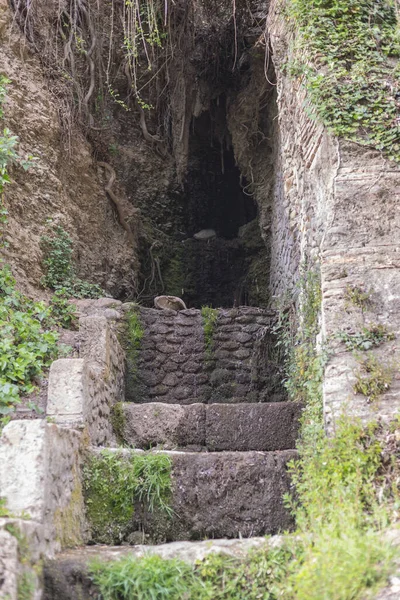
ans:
x=220 y=219
x=214 y=194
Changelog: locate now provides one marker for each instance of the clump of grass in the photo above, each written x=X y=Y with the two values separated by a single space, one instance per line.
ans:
x=147 y=578
x=113 y=483
x=373 y=378
x=210 y=318
x=133 y=336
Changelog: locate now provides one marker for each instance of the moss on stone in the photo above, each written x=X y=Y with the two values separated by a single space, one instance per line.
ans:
x=68 y=520
x=118 y=421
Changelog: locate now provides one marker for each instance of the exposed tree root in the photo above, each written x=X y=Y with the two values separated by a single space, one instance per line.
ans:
x=125 y=215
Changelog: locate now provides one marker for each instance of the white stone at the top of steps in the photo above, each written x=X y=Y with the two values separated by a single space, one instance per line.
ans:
x=187 y=551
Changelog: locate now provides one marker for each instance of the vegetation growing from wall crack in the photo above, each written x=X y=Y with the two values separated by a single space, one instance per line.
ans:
x=114 y=482
x=60 y=273
x=347 y=54
x=210 y=318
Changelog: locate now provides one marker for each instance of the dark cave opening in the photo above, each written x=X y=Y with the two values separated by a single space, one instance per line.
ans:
x=211 y=266
x=214 y=196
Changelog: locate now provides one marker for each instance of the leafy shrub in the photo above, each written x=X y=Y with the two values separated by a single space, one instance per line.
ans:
x=60 y=273
x=27 y=344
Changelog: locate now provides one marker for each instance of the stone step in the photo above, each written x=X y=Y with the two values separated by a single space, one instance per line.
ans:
x=67 y=576
x=215 y=495
x=213 y=427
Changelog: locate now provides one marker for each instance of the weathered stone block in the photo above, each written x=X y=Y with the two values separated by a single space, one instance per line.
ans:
x=39 y=476
x=227 y=494
x=149 y=425
x=68 y=391
x=252 y=426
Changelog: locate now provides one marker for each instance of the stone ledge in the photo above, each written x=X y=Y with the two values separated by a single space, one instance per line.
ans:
x=67 y=576
x=213 y=427
x=221 y=494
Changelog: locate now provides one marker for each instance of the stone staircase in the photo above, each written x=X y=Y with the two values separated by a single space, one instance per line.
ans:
x=214 y=406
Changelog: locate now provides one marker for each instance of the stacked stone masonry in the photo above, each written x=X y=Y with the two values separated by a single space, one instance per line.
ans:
x=175 y=365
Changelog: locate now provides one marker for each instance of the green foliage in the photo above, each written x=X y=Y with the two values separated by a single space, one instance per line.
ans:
x=366 y=338
x=358 y=296
x=118 y=421
x=4 y=512
x=63 y=312
x=373 y=379
x=147 y=578
x=60 y=273
x=210 y=318
x=132 y=341
x=27 y=344
x=340 y=551
x=346 y=54
x=143 y=37
x=26 y=586
x=303 y=363
x=114 y=482
x=338 y=517
x=261 y=574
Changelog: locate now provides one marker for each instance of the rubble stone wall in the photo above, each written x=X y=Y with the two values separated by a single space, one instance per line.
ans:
x=176 y=364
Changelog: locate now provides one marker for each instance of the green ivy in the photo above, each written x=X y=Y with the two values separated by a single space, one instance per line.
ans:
x=347 y=53
x=60 y=272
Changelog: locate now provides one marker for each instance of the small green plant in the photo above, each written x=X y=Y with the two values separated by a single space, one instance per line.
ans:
x=210 y=318
x=373 y=378
x=114 y=482
x=60 y=273
x=63 y=312
x=26 y=586
x=366 y=338
x=132 y=341
x=358 y=296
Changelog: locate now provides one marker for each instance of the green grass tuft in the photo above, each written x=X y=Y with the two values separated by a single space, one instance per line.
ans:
x=114 y=482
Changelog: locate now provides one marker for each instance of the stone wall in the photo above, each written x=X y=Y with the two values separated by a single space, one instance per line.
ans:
x=39 y=479
x=83 y=390
x=173 y=364
x=336 y=205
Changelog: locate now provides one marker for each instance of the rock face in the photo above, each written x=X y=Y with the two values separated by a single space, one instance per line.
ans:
x=63 y=184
